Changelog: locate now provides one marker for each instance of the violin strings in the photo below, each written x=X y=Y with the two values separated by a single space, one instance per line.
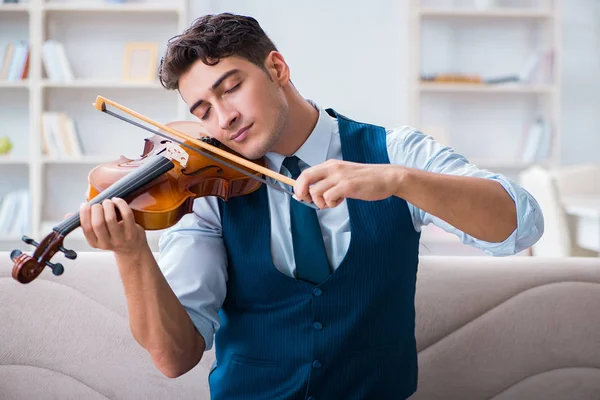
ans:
x=74 y=221
x=205 y=154
x=121 y=190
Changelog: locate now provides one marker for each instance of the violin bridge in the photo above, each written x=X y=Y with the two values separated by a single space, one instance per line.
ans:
x=175 y=152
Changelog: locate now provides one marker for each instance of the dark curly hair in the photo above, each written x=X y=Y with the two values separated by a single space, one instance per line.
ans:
x=211 y=38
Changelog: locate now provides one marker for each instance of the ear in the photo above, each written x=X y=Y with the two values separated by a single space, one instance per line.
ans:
x=278 y=68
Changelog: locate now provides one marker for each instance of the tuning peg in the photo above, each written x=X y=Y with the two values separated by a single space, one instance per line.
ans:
x=29 y=240
x=57 y=269
x=70 y=254
x=14 y=254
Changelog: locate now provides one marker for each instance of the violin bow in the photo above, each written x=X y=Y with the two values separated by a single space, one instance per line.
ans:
x=207 y=148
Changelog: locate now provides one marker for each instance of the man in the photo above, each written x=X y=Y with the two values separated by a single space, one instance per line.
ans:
x=302 y=304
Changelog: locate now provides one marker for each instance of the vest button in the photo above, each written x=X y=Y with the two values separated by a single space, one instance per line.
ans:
x=318 y=326
x=317 y=364
x=317 y=291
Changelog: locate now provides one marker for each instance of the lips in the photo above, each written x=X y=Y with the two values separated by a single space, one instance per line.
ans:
x=241 y=134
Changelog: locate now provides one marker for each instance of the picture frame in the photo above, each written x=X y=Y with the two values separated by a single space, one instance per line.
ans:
x=140 y=62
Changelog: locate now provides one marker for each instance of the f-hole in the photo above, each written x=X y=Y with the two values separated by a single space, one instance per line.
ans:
x=201 y=170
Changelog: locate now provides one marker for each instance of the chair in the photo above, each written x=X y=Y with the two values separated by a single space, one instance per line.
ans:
x=577 y=180
x=583 y=179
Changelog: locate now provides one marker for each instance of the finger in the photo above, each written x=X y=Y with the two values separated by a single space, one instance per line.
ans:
x=127 y=217
x=99 y=225
x=112 y=224
x=335 y=195
x=307 y=178
x=316 y=192
x=85 y=220
x=68 y=215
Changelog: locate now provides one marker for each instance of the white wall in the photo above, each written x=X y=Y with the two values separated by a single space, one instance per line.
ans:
x=581 y=81
x=354 y=58
x=350 y=58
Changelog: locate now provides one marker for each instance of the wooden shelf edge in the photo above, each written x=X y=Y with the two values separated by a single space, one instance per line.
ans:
x=105 y=7
x=508 y=13
x=484 y=88
x=7 y=160
x=23 y=84
x=14 y=8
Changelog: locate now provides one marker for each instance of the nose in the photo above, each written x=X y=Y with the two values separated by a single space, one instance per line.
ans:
x=227 y=117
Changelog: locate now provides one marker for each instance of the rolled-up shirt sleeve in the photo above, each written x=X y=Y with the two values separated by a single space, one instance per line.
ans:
x=414 y=149
x=193 y=259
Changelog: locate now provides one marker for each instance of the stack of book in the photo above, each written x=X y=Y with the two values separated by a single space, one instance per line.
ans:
x=14 y=61
x=14 y=213
x=59 y=136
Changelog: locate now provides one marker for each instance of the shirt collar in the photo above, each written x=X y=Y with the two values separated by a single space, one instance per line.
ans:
x=315 y=148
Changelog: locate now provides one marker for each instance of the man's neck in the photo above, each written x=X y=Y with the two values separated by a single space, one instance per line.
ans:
x=301 y=121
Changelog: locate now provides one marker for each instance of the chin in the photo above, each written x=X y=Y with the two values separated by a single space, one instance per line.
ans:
x=251 y=150
x=253 y=155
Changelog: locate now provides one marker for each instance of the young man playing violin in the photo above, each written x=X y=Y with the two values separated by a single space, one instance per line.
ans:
x=299 y=303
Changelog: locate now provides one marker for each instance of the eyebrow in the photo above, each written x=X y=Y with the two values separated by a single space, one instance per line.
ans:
x=214 y=87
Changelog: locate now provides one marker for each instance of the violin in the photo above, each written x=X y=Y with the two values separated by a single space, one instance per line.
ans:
x=179 y=163
x=170 y=188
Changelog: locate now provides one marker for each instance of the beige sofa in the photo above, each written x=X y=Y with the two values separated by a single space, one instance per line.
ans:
x=487 y=328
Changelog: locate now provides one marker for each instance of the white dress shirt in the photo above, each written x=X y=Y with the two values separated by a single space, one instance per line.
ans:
x=193 y=256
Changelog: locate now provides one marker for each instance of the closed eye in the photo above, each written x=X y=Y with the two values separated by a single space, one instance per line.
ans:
x=233 y=88
x=205 y=114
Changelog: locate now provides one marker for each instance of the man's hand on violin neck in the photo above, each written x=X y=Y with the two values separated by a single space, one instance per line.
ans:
x=328 y=184
x=103 y=230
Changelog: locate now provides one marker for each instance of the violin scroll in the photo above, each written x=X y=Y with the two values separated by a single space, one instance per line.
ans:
x=26 y=268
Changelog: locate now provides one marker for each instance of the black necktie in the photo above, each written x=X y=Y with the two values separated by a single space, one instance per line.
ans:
x=307 y=239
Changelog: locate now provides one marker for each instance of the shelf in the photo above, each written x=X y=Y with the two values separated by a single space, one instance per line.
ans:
x=8 y=160
x=114 y=8
x=481 y=88
x=14 y=84
x=106 y=84
x=14 y=8
x=507 y=13
x=56 y=185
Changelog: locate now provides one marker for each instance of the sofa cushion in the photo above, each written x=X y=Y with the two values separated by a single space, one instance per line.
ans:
x=508 y=328
x=487 y=328
x=69 y=337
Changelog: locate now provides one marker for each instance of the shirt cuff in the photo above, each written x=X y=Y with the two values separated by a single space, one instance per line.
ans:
x=204 y=327
x=530 y=223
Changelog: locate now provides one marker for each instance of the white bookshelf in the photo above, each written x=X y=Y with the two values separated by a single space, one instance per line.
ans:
x=485 y=122
x=94 y=34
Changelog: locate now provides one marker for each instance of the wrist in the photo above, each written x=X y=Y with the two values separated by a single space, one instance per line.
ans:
x=399 y=178
x=133 y=255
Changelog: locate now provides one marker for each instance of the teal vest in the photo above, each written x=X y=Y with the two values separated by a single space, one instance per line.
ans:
x=350 y=337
